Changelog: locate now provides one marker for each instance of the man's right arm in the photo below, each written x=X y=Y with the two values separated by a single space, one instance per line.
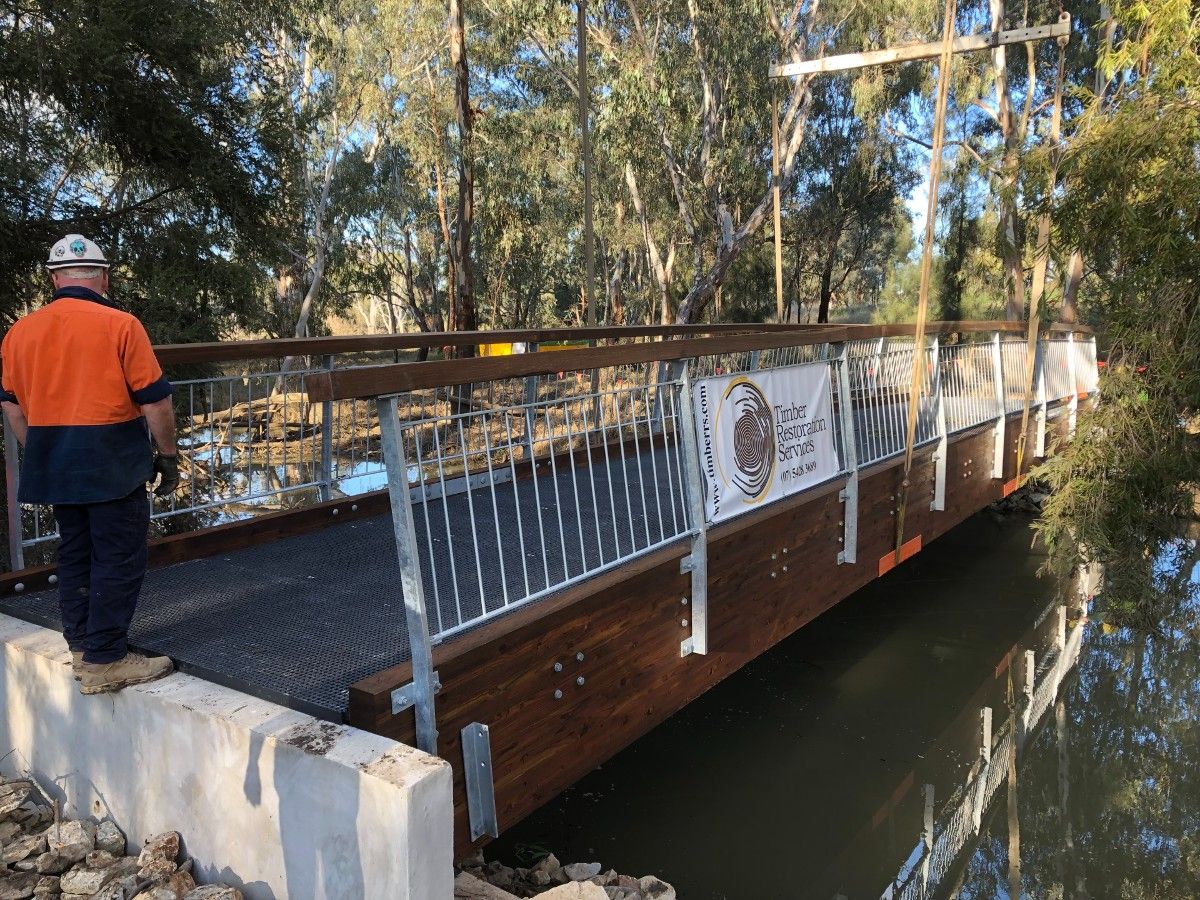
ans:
x=15 y=419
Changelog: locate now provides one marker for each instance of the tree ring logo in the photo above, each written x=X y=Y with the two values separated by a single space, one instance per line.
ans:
x=78 y=247
x=753 y=438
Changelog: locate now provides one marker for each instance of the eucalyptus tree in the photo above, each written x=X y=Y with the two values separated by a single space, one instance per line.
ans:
x=1130 y=198
x=340 y=74
x=691 y=84
x=139 y=124
x=850 y=185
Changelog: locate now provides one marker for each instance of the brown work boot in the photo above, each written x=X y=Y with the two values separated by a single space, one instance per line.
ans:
x=77 y=663
x=103 y=678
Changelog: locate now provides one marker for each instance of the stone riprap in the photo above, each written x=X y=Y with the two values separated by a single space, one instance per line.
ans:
x=41 y=859
x=550 y=880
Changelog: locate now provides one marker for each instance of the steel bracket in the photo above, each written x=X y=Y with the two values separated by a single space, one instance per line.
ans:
x=696 y=562
x=848 y=494
x=411 y=583
x=1073 y=403
x=998 y=376
x=405 y=697
x=1040 y=449
x=477 y=768
x=938 y=503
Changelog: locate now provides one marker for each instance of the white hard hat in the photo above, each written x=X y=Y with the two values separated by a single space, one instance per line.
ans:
x=76 y=250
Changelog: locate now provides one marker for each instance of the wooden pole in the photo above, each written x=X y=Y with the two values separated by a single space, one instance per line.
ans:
x=935 y=174
x=1038 y=286
x=589 y=259
x=775 y=195
x=966 y=44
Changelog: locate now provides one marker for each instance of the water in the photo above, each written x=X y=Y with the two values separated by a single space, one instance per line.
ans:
x=804 y=775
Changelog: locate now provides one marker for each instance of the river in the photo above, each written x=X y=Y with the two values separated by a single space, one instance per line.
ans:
x=815 y=770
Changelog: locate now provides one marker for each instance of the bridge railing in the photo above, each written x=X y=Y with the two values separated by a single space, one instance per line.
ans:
x=539 y=471
x=251 y=442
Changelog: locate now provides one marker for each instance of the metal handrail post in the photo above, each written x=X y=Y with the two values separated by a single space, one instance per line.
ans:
x=696 y=563
x=1093 y=360
x=668 y=371
x=998 y=377
x=939 y=410
x=1027 y=690
x=926 y=838
x=985 y=760
x=848 y=494
x=531 y=397
x=415 y=613
x=1043 y=351
x=12 y=480
x=1073 y=404
x=327 y=440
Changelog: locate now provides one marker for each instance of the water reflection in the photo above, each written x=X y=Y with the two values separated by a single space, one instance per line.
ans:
x=1108 y=797
x=853 y=760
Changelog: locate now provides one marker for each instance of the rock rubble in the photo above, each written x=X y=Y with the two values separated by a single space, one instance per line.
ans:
x=1027 y=500
x=550 y=880
x=44 y=859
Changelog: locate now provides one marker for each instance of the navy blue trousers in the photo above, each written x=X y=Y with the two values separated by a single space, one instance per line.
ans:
x=101 y=564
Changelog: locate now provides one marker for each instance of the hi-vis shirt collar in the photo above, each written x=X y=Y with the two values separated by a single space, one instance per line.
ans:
x=75 y=292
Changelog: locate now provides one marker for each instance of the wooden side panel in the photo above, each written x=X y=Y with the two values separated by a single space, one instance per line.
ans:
x=766 y=580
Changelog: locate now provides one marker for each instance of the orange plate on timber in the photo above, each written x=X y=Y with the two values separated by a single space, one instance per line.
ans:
x=1010 y=486
x=909 y=548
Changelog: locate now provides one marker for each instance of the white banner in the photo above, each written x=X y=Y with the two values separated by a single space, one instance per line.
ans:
x=763 y=436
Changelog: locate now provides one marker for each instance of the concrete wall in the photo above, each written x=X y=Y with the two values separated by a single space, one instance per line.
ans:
x=267 y=799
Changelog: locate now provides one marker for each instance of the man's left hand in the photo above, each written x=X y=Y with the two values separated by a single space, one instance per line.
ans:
x=167 y=468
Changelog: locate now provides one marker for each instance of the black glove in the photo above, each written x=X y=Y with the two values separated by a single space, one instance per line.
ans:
x=167 y=467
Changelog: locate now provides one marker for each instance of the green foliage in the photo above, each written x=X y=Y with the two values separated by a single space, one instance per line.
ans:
x=1134 y=201
x=134 y=122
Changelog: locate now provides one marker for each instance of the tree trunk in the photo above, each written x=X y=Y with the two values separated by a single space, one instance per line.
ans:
x=1070 y=300
x=826 y=289
x=1010 y=250
x=465 y=276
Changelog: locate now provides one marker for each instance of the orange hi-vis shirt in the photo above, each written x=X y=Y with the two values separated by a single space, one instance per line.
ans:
x=80 y=369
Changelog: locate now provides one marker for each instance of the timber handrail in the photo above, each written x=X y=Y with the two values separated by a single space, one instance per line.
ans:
x=272 y=348
x=278 y=348
x=375 y=381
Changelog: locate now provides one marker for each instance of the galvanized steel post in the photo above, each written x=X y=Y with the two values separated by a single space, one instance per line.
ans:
x=998 y=377
x=327 y=440
x=926 y=837
x=1043 y=350
x=696 y=563
x=849 y=494
x=985 y=761
x=12 y=479
x=1027 y=688
x=415 y=613
x=531 y=396
x=939 y=410
x=1073 y=404
x=668 y=371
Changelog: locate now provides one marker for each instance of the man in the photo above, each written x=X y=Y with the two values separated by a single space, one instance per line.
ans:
x=80 y=386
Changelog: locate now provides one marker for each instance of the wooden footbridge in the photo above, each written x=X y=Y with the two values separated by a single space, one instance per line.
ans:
x=524 y=560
